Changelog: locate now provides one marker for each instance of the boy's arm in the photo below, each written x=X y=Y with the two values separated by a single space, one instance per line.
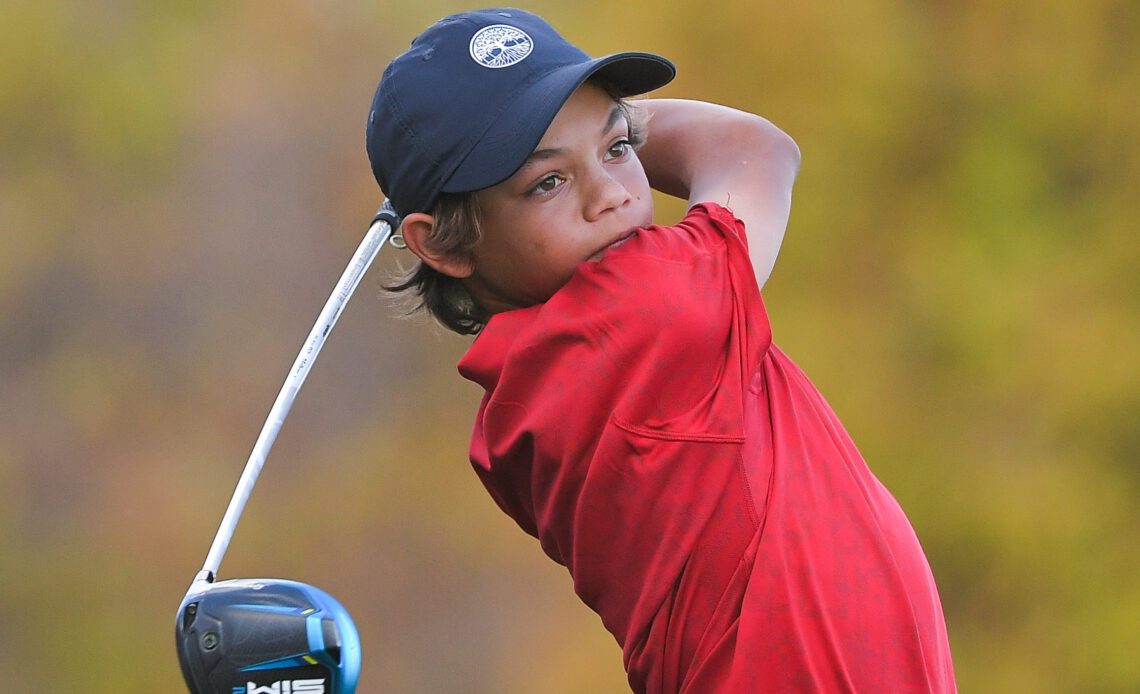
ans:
x=708 y=153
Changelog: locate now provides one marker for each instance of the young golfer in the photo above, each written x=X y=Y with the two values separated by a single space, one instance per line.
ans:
x=637 y=419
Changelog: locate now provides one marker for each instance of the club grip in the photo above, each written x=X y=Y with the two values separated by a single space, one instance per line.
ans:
x=388 y=214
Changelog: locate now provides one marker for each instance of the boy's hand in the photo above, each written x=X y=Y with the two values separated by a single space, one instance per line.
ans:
x=708 y=153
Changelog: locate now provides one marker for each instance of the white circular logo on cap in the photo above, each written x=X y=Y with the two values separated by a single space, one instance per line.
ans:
x=500 y=45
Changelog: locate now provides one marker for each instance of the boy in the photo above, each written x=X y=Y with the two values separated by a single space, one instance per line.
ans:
x=637 y=419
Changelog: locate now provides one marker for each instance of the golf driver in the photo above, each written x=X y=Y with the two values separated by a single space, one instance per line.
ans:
x=270 y=635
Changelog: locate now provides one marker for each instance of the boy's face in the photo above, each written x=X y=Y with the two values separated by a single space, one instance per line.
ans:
x=581 y=192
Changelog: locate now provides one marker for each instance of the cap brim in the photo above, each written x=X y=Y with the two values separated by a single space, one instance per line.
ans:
x=512 y=137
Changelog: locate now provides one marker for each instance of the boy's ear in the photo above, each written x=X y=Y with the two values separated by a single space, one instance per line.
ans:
x=416 y=230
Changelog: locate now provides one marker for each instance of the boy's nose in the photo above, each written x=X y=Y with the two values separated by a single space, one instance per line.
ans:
x=606 y=194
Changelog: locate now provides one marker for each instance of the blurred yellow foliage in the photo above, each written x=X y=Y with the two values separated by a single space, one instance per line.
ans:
x=181 y=183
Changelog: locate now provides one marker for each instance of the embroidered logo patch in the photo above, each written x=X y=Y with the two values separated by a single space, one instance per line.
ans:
x=500 y=45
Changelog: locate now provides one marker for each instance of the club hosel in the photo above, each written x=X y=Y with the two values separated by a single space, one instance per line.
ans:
x=201 y=583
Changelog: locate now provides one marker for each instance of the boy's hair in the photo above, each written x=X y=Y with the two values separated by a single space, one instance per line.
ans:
x=458 y=230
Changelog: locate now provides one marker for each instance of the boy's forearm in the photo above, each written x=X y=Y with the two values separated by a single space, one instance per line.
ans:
x=690 y=139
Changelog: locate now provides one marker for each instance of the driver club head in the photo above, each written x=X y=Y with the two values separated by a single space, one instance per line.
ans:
x=266 y=636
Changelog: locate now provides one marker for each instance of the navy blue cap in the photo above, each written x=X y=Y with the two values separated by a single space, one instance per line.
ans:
x=464 y=107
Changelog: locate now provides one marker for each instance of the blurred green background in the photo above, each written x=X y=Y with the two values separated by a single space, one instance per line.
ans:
x=182 y=182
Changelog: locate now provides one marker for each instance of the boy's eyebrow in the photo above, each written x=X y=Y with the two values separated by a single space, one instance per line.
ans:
x=541 y=154
x=616 y=114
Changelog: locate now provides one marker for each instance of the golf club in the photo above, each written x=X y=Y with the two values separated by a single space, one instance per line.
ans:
x=270 y=635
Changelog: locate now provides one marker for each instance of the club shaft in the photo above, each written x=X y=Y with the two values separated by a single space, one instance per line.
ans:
x=378 y=232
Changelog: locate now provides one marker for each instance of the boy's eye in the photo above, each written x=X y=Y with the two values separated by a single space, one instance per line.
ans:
x=618 y=149
x=548 y=184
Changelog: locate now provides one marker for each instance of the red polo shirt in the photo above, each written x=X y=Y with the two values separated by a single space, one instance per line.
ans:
x=707 y=502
